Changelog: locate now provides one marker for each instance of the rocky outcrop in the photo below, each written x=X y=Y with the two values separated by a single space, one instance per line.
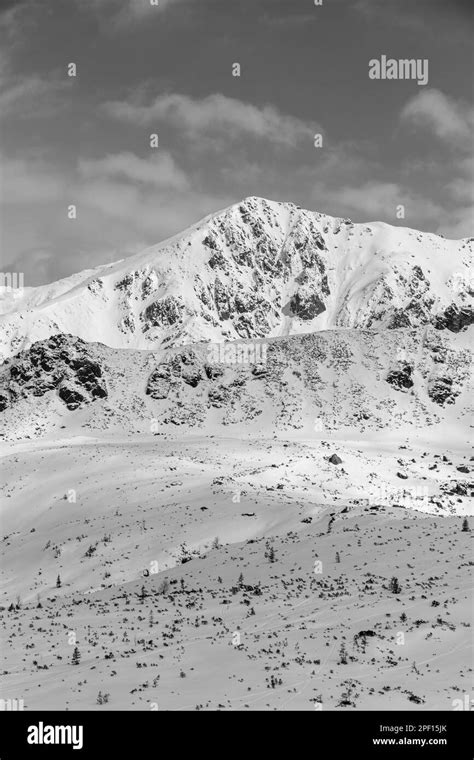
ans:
x=401 y=378
x=442 y=390
x=162 y=313
x=60 y=364
x=306 y=305
x=454 y=319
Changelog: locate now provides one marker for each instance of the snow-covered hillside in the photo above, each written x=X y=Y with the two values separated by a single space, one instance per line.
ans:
x=352 y=380
x=257 y=269
x=216 y=573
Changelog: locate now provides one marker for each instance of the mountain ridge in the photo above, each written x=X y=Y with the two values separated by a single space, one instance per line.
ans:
x=348 y=378
x=256 y=269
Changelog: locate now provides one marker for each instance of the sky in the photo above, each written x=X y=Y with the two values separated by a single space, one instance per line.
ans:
x=167 y=69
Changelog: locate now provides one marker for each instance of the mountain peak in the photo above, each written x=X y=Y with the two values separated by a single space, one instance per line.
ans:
x=257 y=269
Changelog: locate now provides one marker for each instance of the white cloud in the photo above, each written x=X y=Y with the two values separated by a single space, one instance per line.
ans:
x=156 y=214
x=160 y=170
x=375 y=200
x=123 y=12
x=25 y=181
x=448 y=119
x=458 y=224
x=26 y=95
x=122 y=202
x=452 y=122
x=32 y=96
x=215 y=114
x=11 y=17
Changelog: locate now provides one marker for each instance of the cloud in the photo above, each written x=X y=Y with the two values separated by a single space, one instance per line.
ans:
x=137 y=8
x=30 y=97
x=160 y=170
x=120 y=13
x=27 y=95
x=448 y=119
x=451 y=122
x=374 y=200
x=423 y=15
x=215 y=114
x=154 y=214
x=461 y=188
x=25 y=181
x=123 y=202
x=38 y=264
x=10 y=16
x=460 y=221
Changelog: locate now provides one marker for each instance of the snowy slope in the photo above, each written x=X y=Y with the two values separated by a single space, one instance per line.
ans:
x=117 y=519
x=257 y=269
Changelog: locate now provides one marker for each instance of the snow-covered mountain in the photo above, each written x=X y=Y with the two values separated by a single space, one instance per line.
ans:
x=250 y=429
x=257 y=269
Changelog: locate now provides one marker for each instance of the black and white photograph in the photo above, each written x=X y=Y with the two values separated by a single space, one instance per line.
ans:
x=236 y=307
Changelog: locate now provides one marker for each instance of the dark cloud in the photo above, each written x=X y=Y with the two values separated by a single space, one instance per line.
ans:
x=421 y=12
x=7 y=6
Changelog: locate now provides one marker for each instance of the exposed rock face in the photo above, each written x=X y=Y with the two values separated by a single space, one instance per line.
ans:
x=307 y=305
x=454 y=319
x=163 y=313
x=221 y=298
x=401 y=379
x=70 y=395
x=159 y=383
x=457 y=488
x=60 y=364
x=183 y=367
x=441 y=391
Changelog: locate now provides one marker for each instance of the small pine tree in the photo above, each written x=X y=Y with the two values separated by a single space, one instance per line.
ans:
x=151 y=621
x=465 y=526
x=241 y=580
x=403 y=617
x=76 y=656
x=394 y=586
x=58 y=582
x=270 y=553
x=343 y=655
x=338 y=557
